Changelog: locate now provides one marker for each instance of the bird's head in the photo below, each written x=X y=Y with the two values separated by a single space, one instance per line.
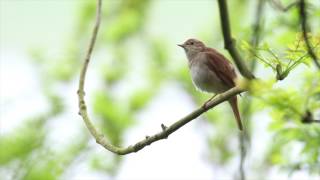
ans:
x=192 y=47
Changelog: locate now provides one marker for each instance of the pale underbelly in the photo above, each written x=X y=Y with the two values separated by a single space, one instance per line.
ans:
x=206 y=80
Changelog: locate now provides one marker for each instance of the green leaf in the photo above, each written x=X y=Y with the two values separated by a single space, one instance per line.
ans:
x=23 y=141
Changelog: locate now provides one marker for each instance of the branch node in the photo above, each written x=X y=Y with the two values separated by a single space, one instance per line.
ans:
x=82 y=106
x=163 y=127
x=81 y=93
x=229 y=43
x=99 y=138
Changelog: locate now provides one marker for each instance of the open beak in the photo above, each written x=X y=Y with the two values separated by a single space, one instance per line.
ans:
x=181 y=45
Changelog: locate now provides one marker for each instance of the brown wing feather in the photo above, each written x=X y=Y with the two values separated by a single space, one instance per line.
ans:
x=226 y=73
x=221 y=66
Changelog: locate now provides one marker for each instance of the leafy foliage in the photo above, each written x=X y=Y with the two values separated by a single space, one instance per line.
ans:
x=296 y=53
x=287 y=109
x=20 y=145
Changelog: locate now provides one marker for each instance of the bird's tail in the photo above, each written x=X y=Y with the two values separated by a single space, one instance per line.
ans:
x=235 y=109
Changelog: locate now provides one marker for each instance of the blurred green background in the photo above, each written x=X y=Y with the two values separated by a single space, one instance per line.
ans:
x=138 y=78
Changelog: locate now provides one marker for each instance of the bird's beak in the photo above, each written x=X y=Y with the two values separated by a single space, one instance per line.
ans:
x=181 y=45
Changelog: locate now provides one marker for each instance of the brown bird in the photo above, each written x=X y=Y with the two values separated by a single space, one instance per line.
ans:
x=211 y=72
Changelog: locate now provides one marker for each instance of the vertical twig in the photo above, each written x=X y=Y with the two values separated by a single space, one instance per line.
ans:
x=81 y=93
x=304 y=24
x=279 y=6
x=244 y=138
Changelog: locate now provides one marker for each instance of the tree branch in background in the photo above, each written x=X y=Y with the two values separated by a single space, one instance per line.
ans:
x=279 y=6
x=229 y=42
x=256 y=35
x=244 y=138
x=304 y=20
x=166 y=131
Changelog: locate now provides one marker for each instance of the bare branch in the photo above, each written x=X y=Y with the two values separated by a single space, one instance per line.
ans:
x=81 y=93
x=166 y=131
x=279 y=6
x=256 y=35
x=244 y=138
x=304 y=20
x=229 y=42
x=89 y=52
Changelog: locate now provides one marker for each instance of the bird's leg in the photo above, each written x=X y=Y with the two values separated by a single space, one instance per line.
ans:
x=206 y=103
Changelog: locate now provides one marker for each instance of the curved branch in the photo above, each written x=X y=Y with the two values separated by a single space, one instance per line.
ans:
x=229 y=42
x=166 y=131
x=81 y=93
x=303 y=19
x=89 y=52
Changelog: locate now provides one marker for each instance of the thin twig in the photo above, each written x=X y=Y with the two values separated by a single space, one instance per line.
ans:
x=229 y=42
x=304 y=20
x=81 y=93
x=296 y=62
x=166 y=131
x=273 y=54
x=264 y=61
x=244 y=138
x=88 y=55
x=279 y=6
x=257 y=29
x=294 y=51
x=289 y=68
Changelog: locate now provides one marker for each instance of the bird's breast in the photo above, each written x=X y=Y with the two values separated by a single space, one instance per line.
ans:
x=204 y=78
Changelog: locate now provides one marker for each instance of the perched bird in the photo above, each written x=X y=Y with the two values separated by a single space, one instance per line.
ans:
x=211 y=72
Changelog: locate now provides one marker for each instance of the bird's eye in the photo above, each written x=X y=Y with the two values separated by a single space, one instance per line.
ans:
x=191 y=43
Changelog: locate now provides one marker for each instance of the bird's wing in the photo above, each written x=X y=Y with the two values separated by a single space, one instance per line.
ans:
x=221 y=66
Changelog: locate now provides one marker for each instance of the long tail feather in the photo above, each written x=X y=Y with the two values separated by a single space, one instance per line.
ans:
x=235 y=109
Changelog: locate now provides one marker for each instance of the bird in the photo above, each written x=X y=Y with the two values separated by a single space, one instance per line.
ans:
x=211 y=72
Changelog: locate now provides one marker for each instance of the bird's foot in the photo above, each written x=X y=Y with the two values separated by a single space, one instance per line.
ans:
x=205 y=105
